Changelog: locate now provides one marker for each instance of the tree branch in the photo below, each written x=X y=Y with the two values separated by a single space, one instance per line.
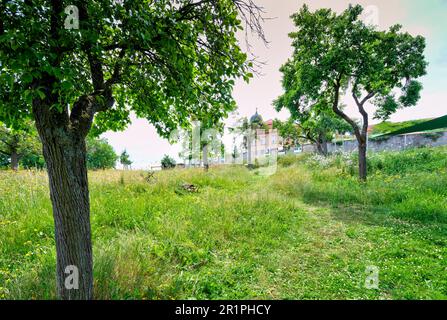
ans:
x=340 y=113
x=360 y=105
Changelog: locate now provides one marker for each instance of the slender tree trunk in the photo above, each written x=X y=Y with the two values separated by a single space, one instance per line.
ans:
x=14 y=160
x=319 y=147
x=324 y=145
x=362 y=159
x=65 y=155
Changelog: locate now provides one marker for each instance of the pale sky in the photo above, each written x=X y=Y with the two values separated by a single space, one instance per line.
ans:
x=424 y=17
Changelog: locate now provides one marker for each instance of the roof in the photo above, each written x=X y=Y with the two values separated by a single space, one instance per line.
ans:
x=256 y=117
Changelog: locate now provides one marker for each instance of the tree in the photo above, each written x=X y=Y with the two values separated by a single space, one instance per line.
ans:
x=167 y=162
x=125 y=160
x=33 y=159
x=315 y=127
x=18 y=144
x=162 y=59
x=289 y=131
x=4 y=161
x=334 y=54
x=100 y=154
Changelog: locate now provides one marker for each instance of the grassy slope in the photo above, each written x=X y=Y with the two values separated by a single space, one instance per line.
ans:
x=307 y=232
x=386 y=126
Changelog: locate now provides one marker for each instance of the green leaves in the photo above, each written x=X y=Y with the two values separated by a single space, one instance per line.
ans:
x=167 y=61
x=333 y=50
x=100 y=154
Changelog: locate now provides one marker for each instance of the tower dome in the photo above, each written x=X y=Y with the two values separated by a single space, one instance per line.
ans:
x=256 y=118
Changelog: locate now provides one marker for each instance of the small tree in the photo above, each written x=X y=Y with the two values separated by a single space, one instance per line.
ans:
x=125 y=160
x=167 y=162
x=319 y=128
x=334 y=54
x=289 y=132
x=18 y=144
x=100 y=154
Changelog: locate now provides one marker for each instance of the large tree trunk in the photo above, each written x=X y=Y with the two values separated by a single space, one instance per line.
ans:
x=14 y=161
x=324 y=145
x=65 y=155
x=321 y=145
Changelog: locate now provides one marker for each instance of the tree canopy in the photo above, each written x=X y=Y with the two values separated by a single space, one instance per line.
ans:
x=20 y=145
x=100 y=154
x=165 y=60
x=167 y=162
x=337 y=53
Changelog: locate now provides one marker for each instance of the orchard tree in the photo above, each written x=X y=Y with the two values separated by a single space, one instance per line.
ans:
x=19 y=143
x=289 y=132
x=337 y=54
x=320 y=128
x=100 y=154
x=161 y=59
x=317 y=127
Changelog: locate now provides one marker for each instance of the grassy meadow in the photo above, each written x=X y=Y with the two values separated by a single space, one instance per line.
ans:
x=307 y=232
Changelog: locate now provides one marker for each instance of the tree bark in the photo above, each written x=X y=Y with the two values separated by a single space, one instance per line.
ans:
x=321 y=144
x=64 y=150
x=362 y=160
x=319 y=147
x=14 y=160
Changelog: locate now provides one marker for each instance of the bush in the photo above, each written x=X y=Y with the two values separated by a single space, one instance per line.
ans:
x=167 y=162
x=100 y=154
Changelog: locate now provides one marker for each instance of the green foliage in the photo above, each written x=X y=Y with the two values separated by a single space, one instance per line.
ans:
x=167 y=162
x=409 y=185
x=334 y=53
x=410 y=161
x=287 y=160
x=332 y=49
x=33 y=160
x=100 y=154
x=289 y=131
x=125 y=159
x=168 y=62
x=22 y=141
x=4 y=160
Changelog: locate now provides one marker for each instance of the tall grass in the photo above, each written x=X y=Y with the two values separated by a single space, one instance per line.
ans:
x=307 y=232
